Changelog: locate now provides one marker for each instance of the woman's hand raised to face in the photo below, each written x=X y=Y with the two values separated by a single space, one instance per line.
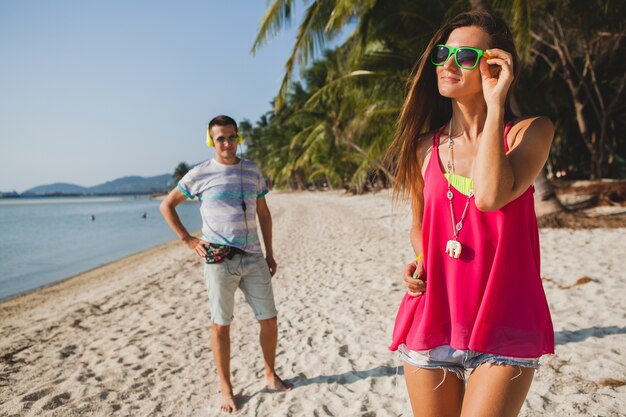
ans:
x=496 y=71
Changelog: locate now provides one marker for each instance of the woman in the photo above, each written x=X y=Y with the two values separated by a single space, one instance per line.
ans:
x=475 y=301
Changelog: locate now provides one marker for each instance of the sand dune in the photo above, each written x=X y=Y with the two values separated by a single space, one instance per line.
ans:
x=132 y=337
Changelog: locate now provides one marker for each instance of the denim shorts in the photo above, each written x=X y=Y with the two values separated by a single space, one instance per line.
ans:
x=248 y=272
x=459 y=361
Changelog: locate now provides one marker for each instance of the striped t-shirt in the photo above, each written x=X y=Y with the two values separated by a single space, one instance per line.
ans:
x=221 y=189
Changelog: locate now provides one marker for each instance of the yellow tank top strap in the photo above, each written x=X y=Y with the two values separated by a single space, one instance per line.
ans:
x=462 y=184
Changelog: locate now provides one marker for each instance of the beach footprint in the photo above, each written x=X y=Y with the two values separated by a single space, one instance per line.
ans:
x=57 y=401
x=37 y=395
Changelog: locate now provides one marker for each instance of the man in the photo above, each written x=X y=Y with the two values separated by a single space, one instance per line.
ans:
x=232 y=192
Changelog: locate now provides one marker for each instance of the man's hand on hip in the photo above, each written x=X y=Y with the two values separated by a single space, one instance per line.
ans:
x=196 y=245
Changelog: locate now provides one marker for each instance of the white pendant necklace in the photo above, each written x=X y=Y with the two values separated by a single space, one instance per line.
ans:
x=454 y=247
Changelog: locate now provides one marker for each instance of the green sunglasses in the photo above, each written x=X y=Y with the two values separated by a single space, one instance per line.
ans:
x=465 y=57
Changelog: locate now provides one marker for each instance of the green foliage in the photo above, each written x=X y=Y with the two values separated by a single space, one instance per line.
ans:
x=333 y=128
x=575 y=75
x=180 y=171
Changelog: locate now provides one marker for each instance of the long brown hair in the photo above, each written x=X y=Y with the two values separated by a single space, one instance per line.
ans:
x=425 y=109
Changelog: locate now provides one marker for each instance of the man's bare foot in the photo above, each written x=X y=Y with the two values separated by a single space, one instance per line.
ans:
x=275 y=384
x=227 y=403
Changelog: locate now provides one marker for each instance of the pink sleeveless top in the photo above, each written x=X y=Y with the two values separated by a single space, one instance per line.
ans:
x=491 y=299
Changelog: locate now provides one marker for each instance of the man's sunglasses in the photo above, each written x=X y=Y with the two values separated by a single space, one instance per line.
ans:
x=229 y=139
x=465 y=57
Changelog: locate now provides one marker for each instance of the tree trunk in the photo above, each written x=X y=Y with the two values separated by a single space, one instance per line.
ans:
x=593 y=171
x=329 y=184
x=582 y=94
x=362 y=151
x=300 y=184
x=546 y=201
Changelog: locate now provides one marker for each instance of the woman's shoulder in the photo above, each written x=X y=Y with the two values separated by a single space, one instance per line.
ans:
x=425 y=143
x=535 y=122
x=536 y=127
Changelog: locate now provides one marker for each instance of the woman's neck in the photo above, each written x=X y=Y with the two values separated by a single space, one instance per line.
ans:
x=468 y=117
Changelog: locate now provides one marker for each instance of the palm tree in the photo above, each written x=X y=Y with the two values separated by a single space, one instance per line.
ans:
x=374 y=100
x=323 y=21
x=180 y=171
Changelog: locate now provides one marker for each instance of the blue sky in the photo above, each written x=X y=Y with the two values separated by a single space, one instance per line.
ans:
x=91 y=91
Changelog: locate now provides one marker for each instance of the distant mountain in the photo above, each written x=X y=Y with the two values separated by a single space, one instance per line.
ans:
x=135 y=185
x=125 y=185
x=56 y=188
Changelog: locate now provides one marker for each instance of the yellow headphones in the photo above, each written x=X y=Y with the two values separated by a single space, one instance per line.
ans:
x=210 y=143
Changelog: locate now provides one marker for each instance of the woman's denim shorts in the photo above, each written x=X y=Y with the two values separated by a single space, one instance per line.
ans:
x=458 y=361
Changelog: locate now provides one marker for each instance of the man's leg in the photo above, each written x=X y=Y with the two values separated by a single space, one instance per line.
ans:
x=221 y=285
x=269 y=339
x=256 y=285
x=220 y=345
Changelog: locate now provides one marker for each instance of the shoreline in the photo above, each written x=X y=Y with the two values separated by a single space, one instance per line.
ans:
x=77 y=282
x=83 y=274
x=63 y=284
x=69 y=241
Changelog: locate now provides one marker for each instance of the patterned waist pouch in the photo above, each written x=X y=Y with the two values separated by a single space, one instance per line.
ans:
x=217 y=253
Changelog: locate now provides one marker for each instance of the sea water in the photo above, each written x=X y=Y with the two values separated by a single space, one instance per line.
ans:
x=44 y=240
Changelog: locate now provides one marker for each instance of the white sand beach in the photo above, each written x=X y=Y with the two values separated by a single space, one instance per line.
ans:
x=131 y=338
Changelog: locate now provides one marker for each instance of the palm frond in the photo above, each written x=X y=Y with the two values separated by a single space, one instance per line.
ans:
x=277 y=16
x=311 y=39
x=331 y=88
